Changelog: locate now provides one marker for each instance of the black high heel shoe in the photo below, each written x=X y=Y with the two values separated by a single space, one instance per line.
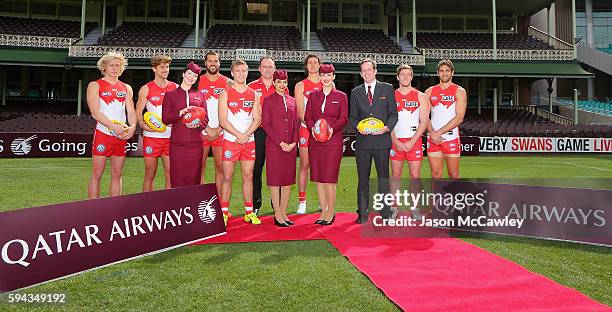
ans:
x=289 y=222
x=319 y=221
x=280 y=224
x=330 y=222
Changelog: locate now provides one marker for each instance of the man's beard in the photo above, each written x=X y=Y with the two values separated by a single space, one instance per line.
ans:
x=208 y=70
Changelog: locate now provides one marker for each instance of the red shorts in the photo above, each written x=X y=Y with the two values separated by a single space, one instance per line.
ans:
x=218 y=142
x=155 y=147
x=107 y=145
x=448 y=148
x=233 y=151
x=415 y=154
x=304 y=134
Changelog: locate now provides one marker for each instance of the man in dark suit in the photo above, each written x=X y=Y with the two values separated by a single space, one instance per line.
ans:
x=372 y=99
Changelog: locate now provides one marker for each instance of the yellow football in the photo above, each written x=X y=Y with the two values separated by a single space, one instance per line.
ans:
x=115 y=122
x=370 y=125
x=154 y=121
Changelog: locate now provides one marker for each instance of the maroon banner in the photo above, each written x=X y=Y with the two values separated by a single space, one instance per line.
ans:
x=50 y=242
x=49 y=144
x=469 y=145
x=568 y=214
x=52 y=144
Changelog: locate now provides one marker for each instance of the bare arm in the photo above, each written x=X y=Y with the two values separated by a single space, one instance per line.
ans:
x=140 y=106
x=424 y=109
x=428 y=96
x=131 y=114
x=256 y=114
x=299 y=99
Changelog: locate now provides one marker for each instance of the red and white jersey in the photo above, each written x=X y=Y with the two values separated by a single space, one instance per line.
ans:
x=155 y=98
x=408 y=109
x=239 y=113
x=310 y=87
x=443 y=104
x=112 y=102
x=211 y=90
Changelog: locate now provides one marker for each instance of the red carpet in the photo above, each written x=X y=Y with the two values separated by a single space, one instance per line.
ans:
x=421 y=274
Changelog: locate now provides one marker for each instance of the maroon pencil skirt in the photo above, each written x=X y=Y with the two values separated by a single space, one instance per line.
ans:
x=324 y=163
x=185 y=164
x=280 y=167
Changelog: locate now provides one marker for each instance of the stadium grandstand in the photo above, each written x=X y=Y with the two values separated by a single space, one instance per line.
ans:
x=519 y=61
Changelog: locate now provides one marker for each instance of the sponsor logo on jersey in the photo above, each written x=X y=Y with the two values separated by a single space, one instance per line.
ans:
x=434 y=98
x=450 y=98
x=121 y=94
x=411 y=104
x=218 y=91
x=100 y=148
x=155 y=98
x=232 y=104
x=248 y=103
x=228 y=154
x=148 y=150
x=106 y=93
x=205 y=91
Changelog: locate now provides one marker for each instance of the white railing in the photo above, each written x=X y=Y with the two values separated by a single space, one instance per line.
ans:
x=227 y=54
x=502 y=54
x=543 y=36
x=35 y=41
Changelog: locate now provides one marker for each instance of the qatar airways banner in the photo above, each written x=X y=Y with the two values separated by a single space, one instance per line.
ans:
x=569 y=214
x=544 y=145
x=51 y=242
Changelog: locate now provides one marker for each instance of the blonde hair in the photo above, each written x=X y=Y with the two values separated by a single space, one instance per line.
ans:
x=160 y=59
x=106 y=58
x=238 y=62
x=402 y=67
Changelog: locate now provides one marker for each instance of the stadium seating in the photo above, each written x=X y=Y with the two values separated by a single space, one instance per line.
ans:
x=253 y=37
x=606 y=50
x=42 y=27
x=432 y=40
x=357 y=40
x=512 y=122
x=593 y=106
x=147 y=35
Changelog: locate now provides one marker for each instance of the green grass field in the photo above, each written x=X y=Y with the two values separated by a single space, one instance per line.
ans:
x=303 y=275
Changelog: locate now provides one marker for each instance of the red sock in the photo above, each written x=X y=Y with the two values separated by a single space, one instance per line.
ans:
x=248 y=207
x=302 y=197
x=225 y=208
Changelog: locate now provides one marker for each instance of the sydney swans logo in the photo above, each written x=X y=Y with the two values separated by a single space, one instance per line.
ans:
x=22 y=146
x=206 y=211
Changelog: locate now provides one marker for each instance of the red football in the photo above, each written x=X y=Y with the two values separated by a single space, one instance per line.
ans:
x=322 y=131
x=196 y=116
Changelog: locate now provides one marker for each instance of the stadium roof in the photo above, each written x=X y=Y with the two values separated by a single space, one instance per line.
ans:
x=515 y=69
x=471 y=7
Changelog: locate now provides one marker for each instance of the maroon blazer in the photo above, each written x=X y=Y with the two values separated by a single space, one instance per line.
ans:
x=336 y=114
x=174 y=101
x=280 y=126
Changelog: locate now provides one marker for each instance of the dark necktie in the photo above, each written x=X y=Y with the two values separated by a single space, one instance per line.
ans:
x=370 y=95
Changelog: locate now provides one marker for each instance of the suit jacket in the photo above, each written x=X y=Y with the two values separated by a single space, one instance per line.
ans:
x=280 y=126
x=383 y=107
x=336 y=114
x=174 y=101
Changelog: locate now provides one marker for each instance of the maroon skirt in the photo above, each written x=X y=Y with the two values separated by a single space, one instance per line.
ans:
x=280 y=166
x=324 y=163
x=185 y=164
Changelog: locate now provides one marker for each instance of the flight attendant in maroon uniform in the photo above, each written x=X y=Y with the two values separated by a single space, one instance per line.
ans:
x=281 y=122
x=185 y=142
x=331 y=105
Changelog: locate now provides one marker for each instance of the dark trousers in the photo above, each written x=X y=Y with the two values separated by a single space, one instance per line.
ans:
x=364 y=157
x=260 y=160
